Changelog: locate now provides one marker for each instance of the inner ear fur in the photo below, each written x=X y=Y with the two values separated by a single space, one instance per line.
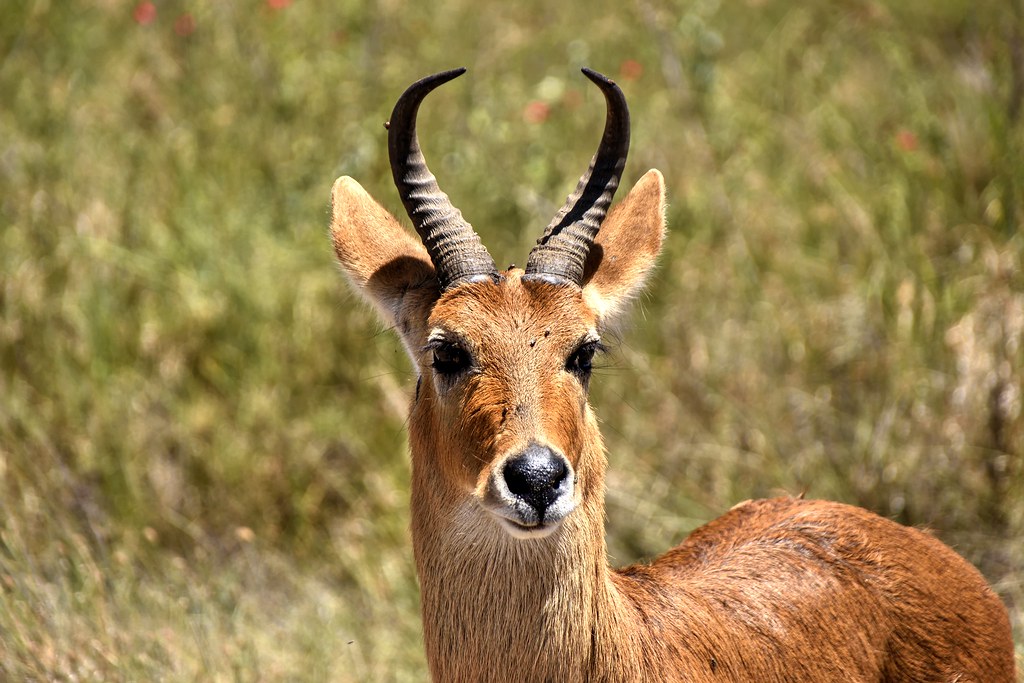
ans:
x=385 y=263
x=626 y=249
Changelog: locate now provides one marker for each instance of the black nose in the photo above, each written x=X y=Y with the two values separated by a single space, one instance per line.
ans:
x=536 y=476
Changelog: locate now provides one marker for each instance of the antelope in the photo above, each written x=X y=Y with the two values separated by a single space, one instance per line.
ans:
x=508 y=473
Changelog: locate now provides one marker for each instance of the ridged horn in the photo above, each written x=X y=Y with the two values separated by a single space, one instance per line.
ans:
x=561 y=252
x=455 y=249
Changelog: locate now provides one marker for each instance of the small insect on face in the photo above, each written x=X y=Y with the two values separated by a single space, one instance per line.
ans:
x=509 y=366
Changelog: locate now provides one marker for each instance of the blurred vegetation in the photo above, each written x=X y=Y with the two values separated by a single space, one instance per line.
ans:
x=202 y=455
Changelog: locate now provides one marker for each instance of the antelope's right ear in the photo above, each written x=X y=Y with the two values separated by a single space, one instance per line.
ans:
x=385 y=263
x=626 y=248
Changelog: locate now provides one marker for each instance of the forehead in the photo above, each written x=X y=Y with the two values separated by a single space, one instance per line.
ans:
x=511 y=307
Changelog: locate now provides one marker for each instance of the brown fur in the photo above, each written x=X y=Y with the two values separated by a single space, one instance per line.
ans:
x=774 y=590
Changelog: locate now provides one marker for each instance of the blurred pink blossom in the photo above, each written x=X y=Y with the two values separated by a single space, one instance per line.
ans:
x=536 y=111
x=631 y=70
x=144 y=13
x=185 y=25
x=906 y=140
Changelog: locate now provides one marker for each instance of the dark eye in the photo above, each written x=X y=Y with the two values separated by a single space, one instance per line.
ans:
x=449 y=358
x=581 y=361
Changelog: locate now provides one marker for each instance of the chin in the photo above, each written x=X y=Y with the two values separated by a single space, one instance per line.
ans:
x=535 y=532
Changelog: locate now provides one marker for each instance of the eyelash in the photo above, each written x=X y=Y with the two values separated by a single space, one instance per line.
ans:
x=449 y=359
x=580 y=362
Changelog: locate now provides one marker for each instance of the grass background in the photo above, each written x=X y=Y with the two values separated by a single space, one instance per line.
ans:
x=203 y=472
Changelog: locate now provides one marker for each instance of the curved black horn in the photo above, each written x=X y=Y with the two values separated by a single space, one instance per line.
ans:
x=562 y=251
x=454 y=248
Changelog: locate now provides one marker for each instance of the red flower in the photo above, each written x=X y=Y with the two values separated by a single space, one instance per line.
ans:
x=536 y=111
x=631 y=70
x=185 y=25
x=278 y=4
x=906 y=140
x=144 y=13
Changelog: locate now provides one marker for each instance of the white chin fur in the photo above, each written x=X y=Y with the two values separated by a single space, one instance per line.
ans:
x=523 y=532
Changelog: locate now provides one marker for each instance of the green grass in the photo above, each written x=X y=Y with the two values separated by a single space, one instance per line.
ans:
x=202 y=455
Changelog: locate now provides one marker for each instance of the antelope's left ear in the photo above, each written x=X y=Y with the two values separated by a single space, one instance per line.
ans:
x=386 y=264
x=626 y=249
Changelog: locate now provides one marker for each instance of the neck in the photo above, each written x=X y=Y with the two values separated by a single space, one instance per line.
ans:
x=500 y=608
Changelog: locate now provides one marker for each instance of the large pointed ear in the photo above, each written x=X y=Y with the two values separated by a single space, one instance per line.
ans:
x=383 y=261
x=626 y=248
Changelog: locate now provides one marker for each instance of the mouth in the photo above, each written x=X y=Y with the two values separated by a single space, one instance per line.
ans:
x=523 y=522
x=523 y=531
x=530 y=493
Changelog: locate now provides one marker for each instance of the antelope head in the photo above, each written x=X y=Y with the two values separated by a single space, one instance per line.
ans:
x=503 y=439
